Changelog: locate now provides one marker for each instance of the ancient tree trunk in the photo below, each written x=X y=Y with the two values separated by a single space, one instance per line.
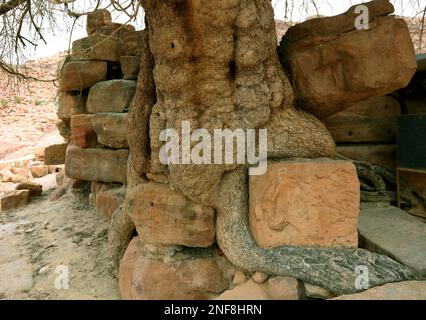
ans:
x=216 y=66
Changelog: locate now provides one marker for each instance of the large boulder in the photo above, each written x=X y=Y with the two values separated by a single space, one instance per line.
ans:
x=80 y=75
x=333 y=64
x=305 y=203
x=165 y=217
x=111 y=96
x=142 y=278
x=111 y=129
x=103 y=165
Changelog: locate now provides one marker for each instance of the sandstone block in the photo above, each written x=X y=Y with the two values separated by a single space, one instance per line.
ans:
x=393 y=232
x=408 y=290
x=103 y=165
x=132 y=43
x=39 y=171
x=97 y=47
x=111 y=96
x=111 y=129
x=283 y=288
x=97 y=19
x=130 y=66
x=315 y=292
x=55 y=154
x=332 y=64
x=14 y=199
x=165 y=217
x=34 y=188
x=80 y=75
x=70 y=104
x=116 y=29
x=82 y=132
x=64 y=128
x=107 y=201
x=305 y=203
x=141 y=278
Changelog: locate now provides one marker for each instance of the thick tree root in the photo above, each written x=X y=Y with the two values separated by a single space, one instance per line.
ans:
x=120 y=233
x=333 y=269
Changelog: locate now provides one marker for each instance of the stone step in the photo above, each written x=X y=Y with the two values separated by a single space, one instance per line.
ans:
x=394 y=232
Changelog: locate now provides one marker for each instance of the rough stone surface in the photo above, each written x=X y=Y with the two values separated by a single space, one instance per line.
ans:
x=70 y=104
x=80 y=75
x=408 y=290
x=82 y=132
x=97 y=47
x=239 y=278
x=277 y=288
x=165 y=217
x=315 y=292
x=97 y=19
x=101 y=165
x=141 y=278
x=393 y=232
x=34 y=188
x=331 y=68
x=132 y=43
x=259 y=277
x=14 y=199
x=111 y=129
x=55 y=154
x=107 y=201
x=306 y=202
x=130 y=66
x=111 y=96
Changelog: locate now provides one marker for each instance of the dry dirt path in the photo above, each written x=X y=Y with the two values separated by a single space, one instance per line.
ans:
x=41 y=243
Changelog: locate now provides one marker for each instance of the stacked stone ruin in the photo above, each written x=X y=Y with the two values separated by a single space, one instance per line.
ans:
x=181 y=247
x=97 y=85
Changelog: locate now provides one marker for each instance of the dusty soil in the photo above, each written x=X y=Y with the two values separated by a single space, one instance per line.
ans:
x=40 y=239
x=28 y=111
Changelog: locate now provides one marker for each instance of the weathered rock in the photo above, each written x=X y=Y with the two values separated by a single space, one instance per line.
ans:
x=14 y=199
x=39 y=171
x=80 y=75
x=115 y=29
x=111 y=129
x=130 y=66
x=141 y=278
x=64 y=129
x=97 y=47
x=260 y=277
x=107 y=201
x=283 y=288
x=111 y=96
x=408 y=290
x=306 y=202
x=369 y=121
x=239 y=278
x=102 y=165
x=132 y=43
x=393 y=232
x=332 y=64
x=315 y=292
x=82 y=132
x=34 y=188
x=70 y=104
x=7 y=175
x=17 y=178
x=277 y=288
x=125 y=271
x=55 y=154
x=249 y=290
x=165 y=217
x=97 y=19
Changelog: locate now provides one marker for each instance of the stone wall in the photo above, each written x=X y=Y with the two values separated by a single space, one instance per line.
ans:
x=97 y=84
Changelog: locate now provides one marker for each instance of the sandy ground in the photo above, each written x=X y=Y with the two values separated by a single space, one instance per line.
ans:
x=46 y=243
